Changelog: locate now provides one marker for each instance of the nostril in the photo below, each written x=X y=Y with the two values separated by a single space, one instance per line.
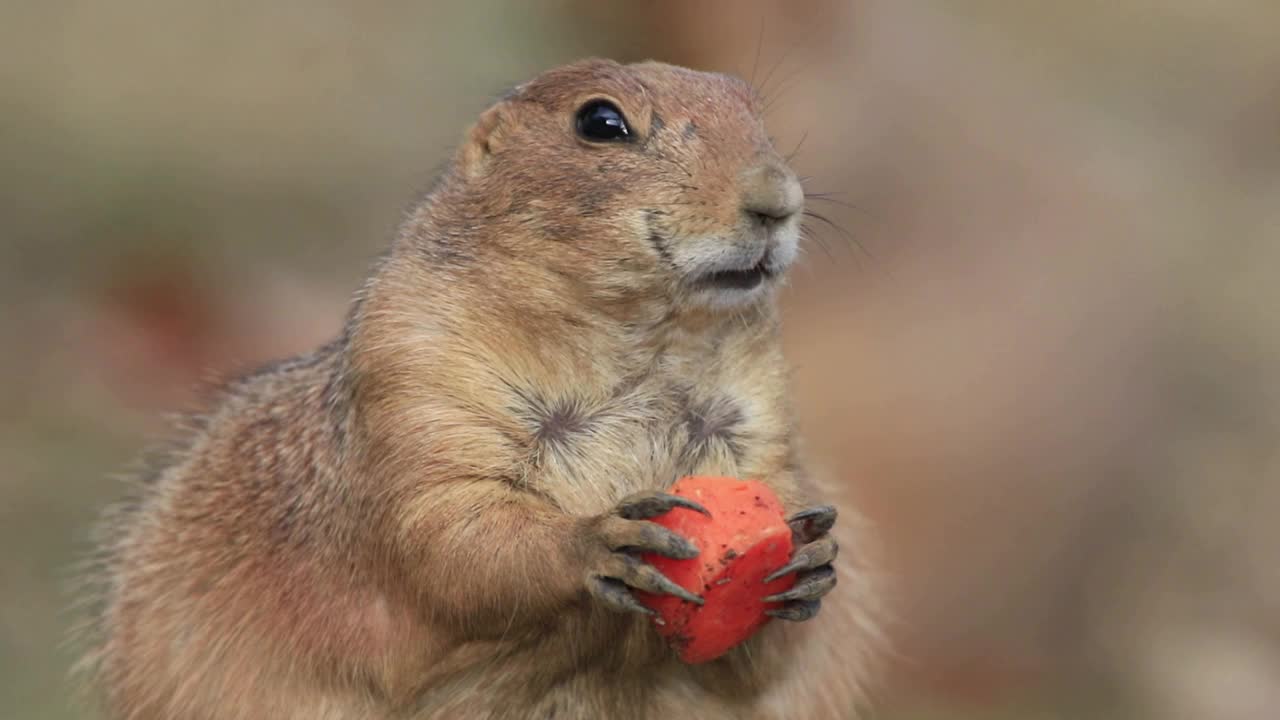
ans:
x=762 y=220
x=768 y=216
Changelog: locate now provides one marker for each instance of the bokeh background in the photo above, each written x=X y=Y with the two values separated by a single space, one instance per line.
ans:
x=1038 y=348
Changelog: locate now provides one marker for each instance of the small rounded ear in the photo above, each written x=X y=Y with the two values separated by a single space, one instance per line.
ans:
x=484 y=139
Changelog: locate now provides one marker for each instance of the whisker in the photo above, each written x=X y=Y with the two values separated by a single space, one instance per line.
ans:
x=783 y=87
x=759 y=43
x=831 y=198
x=824 y=198
x=803 y=137
x=763 y=89
x=770 y=96
x=848 y=236
x=808 y=234
x=807 y=178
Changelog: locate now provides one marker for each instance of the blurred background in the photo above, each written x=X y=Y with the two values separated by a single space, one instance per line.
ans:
x=1038 y=348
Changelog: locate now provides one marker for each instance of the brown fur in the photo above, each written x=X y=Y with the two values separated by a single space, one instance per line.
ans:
x=398 y=525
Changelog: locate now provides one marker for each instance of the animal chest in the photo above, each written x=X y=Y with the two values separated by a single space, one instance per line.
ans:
x=588 y=452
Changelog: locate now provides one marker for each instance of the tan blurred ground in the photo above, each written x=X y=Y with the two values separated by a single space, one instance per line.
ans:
x=1048 y=374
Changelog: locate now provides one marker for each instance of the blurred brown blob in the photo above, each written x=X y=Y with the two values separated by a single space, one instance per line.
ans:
x=156 y=330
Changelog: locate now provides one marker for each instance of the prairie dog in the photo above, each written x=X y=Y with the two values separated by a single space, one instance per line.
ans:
x=436 y=515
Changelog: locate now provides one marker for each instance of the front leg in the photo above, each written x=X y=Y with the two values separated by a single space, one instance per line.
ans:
x=812 y=563
x=488 y=559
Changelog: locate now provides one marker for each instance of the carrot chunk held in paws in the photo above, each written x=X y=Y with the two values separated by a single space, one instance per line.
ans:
x=745 y=539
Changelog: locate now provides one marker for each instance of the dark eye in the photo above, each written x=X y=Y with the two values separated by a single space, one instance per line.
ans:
x=602 y=121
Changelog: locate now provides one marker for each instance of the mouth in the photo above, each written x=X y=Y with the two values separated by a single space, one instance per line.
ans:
x=738 y=279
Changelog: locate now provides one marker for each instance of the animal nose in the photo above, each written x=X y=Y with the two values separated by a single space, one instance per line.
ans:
x=771 y=193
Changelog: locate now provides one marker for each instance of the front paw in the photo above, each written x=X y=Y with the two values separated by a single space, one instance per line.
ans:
x=615 y=542
x=815 y=576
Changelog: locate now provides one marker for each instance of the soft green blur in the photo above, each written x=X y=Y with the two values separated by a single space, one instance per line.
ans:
x=1037 y=341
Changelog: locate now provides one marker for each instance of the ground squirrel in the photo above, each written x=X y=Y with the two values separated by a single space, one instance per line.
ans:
x=436 y=515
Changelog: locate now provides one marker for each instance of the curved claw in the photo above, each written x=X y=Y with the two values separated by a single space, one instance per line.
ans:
x=810 y=524
x=633 y=572
x=811 y=586
x=811 y=556
x=643 y=506
x=664 y=584
x=619 y=534
x=796 y=611
x=615 y=595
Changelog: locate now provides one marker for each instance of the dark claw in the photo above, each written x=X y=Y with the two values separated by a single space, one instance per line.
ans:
x=794 y=566
x=683 y=551
x=615 y=595
x=666 y=542
x=808 y=525
x=811 y=586
x=811 y=556
x=620 y=535
x=652 y=504
x=643 y=576
x=671 y=588
x=796 y=611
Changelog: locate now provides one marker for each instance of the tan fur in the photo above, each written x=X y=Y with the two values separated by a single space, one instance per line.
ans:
x=398 y=525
